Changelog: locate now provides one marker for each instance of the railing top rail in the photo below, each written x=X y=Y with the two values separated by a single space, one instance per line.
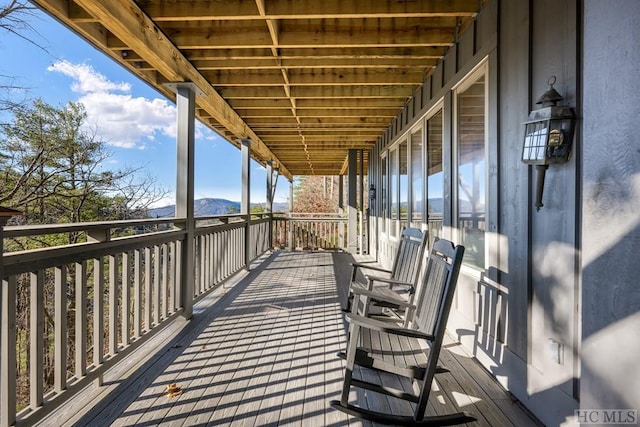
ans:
x=41 y=229
x=34 y=259
x=310 y=214
x=302 y=219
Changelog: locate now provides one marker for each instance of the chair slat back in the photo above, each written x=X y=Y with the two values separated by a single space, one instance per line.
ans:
x=406 y=265
x=434 y=303
x=438 y=275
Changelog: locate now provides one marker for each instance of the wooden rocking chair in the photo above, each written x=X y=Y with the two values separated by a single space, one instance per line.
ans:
x=402 y=276
x=420 y=343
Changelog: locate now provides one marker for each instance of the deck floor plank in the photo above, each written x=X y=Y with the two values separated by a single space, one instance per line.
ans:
x=264 y=354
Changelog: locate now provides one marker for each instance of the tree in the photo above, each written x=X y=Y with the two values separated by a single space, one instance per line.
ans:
x=315 y=194
x=233 y=209
x=14 y=16
x=51 y=168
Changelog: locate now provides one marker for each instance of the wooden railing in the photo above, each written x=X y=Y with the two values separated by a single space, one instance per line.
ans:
x=111 y=292
x=309 y=231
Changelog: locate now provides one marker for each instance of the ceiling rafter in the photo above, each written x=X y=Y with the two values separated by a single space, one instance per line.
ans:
x=307 y=80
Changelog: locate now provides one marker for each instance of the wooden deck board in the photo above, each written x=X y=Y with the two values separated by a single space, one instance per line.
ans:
x=264 y=354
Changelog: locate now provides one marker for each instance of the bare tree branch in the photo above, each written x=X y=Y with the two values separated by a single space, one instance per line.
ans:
x=15 y=18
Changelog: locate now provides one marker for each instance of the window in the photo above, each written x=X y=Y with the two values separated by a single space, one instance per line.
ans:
x=384 y=202
x=404 y=182
x=470 y=173
x=435 y=175
x=394 y=193
x=417 y=203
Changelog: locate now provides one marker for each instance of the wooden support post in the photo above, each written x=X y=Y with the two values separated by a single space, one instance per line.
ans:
x=7 y=333
x=292 y=246
x=361 y=247
x=352 y=208
x=245 y=205
x=270 y=188
x=341 y=243
x=185 y=101
x=269 y=206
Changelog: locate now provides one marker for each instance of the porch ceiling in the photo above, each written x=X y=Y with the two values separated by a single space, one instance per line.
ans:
x=306 y=80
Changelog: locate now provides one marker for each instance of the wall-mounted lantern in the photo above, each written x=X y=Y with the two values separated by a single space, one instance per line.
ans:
x=548 y=136
x=372 y=192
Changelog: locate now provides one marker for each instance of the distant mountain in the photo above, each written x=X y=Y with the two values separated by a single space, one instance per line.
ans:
x=209 y=207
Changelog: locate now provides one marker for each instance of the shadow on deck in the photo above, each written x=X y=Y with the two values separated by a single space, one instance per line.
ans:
x=262 y=351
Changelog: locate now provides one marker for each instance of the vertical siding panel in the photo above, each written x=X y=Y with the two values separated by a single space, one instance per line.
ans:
x=450 y=63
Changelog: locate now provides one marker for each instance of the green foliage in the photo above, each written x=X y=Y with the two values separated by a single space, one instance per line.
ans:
x=51 y=169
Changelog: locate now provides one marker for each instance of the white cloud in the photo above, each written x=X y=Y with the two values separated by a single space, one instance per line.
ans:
x=120 y=119
x=87 y=79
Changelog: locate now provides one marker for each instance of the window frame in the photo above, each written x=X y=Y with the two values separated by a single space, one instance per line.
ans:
x=482 y=69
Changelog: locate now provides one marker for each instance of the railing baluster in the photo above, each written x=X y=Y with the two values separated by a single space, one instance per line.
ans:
x=98 y=315
x=165 y=279
x=81 y=319
x=172 y=277
x=226 y=249
x=205 y=264
x=137 y=289
x=36 y=366
x=60 y=340
x=199 y=265
x=125 y=331
x=216 y=257
x=210 y=280
x=206 y=252
x=156 y=284
x=8 y=349
x=178 y=274
x=113 y=305
x=147 y=289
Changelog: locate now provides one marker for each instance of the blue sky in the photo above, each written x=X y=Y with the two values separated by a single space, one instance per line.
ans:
x=137 y=122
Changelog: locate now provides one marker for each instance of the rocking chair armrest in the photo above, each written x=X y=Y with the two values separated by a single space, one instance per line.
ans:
x=378 y=296
x=389 y=281
x=381 y=326
x=357 y=265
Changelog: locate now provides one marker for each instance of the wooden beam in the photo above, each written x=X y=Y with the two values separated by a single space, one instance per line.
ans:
x=317 y=92
x=394 y=52
x=181 y=10
x=343 y=103
x=310 y=34
x=330 y=77
x=309 y=63
x=333 y=112
x=350 y=121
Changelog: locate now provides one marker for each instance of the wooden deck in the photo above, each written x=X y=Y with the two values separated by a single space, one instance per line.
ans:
x=263 y=352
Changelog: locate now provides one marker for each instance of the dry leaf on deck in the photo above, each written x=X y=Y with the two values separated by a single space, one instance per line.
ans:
x=173 y=390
